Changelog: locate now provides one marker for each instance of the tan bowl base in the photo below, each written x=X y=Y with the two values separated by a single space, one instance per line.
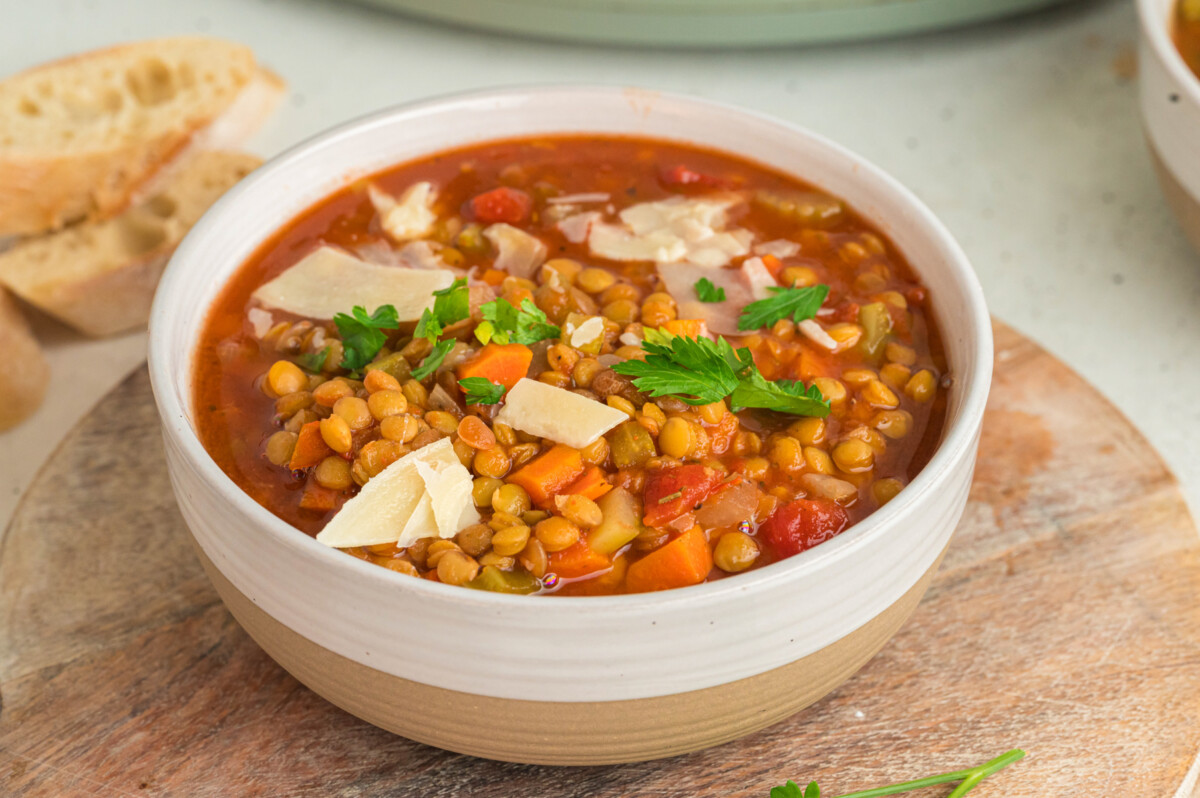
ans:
x=1185 y=206
x=561 y=733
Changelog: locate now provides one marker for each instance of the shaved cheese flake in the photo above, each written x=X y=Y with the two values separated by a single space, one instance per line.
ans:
x=449 y=489
x=575 y=228
x=422 y=255
x=780 y=248
x=587 y=332
x=261 y=321
x=568 y=199
x=814 y=332
x=520 y=253
x=671 y=231
x=421 y=495
x=558 y=414
x=742 y=286
x=330 y=281
x=409 y=217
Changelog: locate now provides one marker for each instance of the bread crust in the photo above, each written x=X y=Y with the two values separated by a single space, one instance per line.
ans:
x=26 y=373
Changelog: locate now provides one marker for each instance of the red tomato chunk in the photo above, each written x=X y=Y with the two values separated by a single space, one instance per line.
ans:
x=671 y=492
x=504 y=204
x=799 y=525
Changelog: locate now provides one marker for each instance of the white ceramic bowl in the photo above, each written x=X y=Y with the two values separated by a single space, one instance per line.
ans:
x=1170 y=98
x=565 y=680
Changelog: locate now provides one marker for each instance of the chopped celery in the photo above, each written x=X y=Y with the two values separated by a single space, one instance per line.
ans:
x=806 y=207
x=631 y=445
x=622 y=521
x=497 y=581
x=877 y=324
x=394 y=364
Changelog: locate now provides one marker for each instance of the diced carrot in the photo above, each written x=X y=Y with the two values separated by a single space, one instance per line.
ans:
x=592 y=484
x=684 y=561
x=318 y=498
x=773 y=264
x=504 y=364
x=494 y=277
x=688 y=328
x=310 y=447
x=578 y=560
x=549 y=474
x=516 y=296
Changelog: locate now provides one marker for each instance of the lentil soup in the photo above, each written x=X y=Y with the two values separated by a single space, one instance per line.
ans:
x=573 y=365
x=1187 y=33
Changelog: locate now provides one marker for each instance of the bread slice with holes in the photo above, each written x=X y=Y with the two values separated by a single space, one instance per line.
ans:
x=81 y=137
x=99 y=277
x=25 y=374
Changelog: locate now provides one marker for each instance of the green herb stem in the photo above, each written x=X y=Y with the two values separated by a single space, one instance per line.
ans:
x=969 y=778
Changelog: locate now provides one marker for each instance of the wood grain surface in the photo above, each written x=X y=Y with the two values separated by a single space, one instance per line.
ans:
x=1065 y=620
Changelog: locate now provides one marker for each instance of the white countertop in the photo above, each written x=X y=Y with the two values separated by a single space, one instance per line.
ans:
x=1022 y=135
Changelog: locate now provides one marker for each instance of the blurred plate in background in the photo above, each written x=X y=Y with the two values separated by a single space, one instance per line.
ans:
x=711 y=23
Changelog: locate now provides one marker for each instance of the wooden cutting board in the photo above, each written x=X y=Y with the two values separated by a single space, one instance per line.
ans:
x=1065 y=620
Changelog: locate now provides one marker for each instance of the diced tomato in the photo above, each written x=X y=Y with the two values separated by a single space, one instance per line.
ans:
x=502 y=204
x=671 y=492
x=847 y=313
x=799 y=525
x=679 y=176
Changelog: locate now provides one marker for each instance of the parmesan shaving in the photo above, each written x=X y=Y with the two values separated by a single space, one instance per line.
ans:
x=520 y=253
x=575 y=228
x=329 y=281
x=742 y=286
x=779 y=248
x=587 y=332
x=424 y=494
x=672 y=231
x=814 y=332
x=558 y=414
x=409 y=217
x=261 y=321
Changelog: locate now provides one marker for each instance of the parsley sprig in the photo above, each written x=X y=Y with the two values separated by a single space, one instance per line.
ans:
x=505 y=323
x=795 y=303
x=451 y=305
x=701 y=371
x=707 y=292
x=481 y=390
x=363 y=334
x=967 y=781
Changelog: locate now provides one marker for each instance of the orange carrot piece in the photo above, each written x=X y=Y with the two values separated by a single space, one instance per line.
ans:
x=592 y=484
x=549 y=474
x=503 y=364
x=317 y=497
x=310 y=447
x=578 y=560
x=494 y=277
x=684 y=561
x=517 y=295
x=773 y=264
x=688 y=328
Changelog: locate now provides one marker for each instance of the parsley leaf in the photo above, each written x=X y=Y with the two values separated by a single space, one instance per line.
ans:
x=313 y=361
x=784 y=396
x=792 y=790
x=700 y=370
x=506 y=324
x=481 y=390
x=362 y=335
x=697 y=370
x=797 y=303
x=450 y=306
x=433 y=359
x=707 y=292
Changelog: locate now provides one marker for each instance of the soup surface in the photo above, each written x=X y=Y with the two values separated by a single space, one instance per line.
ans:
x=1187 y=33
x=573 y=365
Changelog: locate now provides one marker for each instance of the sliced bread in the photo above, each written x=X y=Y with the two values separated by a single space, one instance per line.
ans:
x=99 y=277
x=80 y=137
x=25 y=374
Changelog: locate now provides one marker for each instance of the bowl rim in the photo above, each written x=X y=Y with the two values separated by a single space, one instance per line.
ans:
x=1156 y=29
x=956 y=446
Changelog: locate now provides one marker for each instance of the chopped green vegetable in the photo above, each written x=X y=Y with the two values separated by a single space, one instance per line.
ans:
x=631 y=445
x=876 y=322
x=506 y=324
x=395 y=364
x=784 y=396
x=314 y=361
x=433 y=359
x=797 y=303
x=481 y=390
x=700 y=371
x=362 y=335
x=707 y=292
x=450 y=305
x=497 y=581
x=968 y=780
